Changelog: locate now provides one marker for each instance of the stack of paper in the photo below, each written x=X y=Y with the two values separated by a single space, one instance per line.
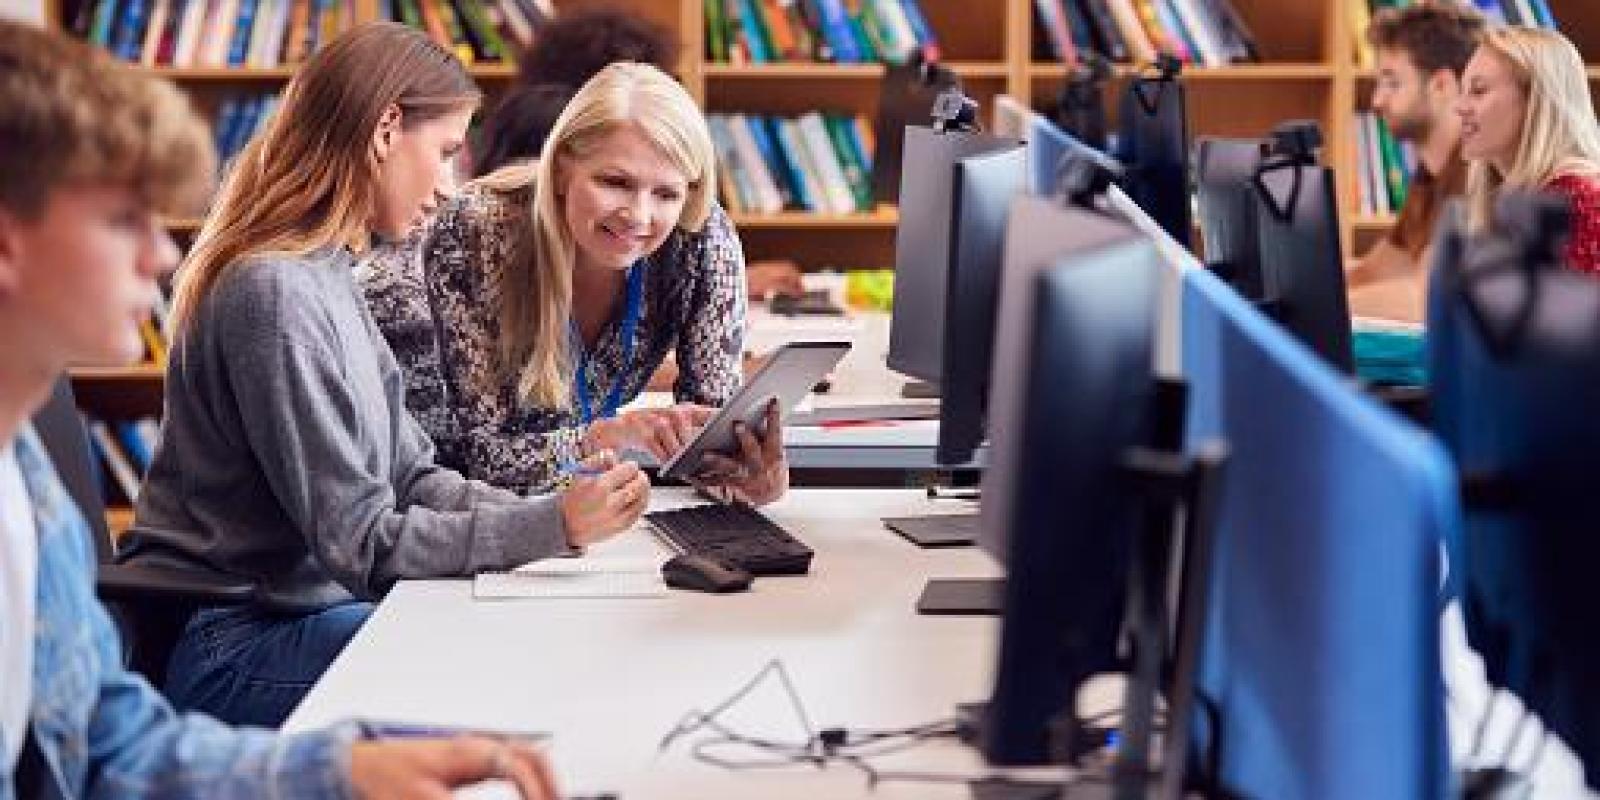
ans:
x=571 y=578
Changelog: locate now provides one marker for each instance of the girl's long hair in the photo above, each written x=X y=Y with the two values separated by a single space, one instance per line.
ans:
x=309 y=179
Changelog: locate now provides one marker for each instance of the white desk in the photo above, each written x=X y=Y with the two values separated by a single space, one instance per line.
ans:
x=610 y=677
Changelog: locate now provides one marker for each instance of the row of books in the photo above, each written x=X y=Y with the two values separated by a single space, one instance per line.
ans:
x=239 y=118
x=1527 y=13
x=1206 y=32
x=838 y=31
x=1383 y=166
x=477 y=31
x=213 y=33
x=819 y=162
x=123 y=449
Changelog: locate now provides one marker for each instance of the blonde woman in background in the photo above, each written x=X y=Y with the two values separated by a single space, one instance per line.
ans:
x=287 y=455
x=541 y=299
x=1528 y=123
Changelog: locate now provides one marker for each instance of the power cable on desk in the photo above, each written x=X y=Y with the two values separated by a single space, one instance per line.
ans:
x=821 y=747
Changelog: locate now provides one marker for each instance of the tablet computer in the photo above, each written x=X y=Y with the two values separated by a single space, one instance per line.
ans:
x=787 y=377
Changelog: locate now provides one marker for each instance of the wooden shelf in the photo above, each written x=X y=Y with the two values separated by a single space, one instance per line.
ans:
x=118 y=520
x=809 y=71
x=222 y=74
x=1236 y=72
x=129 y=374
x=881 y=217
x=490 y=72
x=115 y=393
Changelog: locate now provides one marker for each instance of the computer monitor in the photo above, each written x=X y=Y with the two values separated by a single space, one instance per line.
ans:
x=984 y=187
x=1079 y=402
x=1514 y=373
x=1225 y=194
x=1275 y=236
x=1153 y=144
x=1321 y=658
x=922 y=246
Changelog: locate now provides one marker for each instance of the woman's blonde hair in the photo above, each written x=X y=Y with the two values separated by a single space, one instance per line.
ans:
x=309 y=180
x=536 y=296
x=1559 y=133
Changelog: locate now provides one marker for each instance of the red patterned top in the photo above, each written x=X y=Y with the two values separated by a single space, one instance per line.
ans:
x=1583 y=196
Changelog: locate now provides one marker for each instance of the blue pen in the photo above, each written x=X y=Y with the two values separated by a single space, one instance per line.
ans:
x=388 y=729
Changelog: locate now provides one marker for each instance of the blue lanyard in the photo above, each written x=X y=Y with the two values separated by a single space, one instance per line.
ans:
x=630 y=324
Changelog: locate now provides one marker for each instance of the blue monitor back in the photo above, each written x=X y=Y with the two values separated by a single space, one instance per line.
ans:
x=1321 y=650
x=1517 y=381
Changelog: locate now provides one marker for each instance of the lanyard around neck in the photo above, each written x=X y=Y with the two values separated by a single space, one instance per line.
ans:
x=630 y=324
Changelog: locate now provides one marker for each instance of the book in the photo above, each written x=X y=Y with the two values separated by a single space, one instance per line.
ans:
x=927 y=39
x=151 y=47
x=716 y=38
x=769 y=152
x=1126 y=16
x=1108 y=36
x=768 y=200
x=737 y=193
x=239 y=47
x=123 y=475
x=789 y=138
x=814 y=135
x=858 y=176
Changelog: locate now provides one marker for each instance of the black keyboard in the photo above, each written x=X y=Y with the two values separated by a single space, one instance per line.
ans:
x=736 y=534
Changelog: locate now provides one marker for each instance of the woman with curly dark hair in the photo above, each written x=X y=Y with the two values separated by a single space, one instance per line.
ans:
x=566 y=54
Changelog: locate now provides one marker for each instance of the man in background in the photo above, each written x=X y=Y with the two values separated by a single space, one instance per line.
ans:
x=1421 y=51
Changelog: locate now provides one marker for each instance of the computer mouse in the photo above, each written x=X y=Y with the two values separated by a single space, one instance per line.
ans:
x=704 y=574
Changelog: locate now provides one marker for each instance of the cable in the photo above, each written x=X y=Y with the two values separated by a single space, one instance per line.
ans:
x=1483 y=725
x=819 y=747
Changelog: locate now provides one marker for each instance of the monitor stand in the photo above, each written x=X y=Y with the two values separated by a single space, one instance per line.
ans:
x=979 y=597
x=920 y=390
x=942 y=530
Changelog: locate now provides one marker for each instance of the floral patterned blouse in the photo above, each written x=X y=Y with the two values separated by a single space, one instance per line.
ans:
x=435 y=298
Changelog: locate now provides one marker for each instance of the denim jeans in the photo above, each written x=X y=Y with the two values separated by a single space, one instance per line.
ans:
x=247 y=666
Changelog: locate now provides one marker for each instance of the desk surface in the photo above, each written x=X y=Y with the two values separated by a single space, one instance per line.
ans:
x=610 y=677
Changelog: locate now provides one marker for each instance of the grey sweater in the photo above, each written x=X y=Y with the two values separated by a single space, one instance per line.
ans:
x=287 y=455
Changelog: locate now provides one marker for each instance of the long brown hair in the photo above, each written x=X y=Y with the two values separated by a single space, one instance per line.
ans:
x=308 y=180
x=536 y=297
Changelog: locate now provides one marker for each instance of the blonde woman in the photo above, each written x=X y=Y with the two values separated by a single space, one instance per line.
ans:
x=540 y=300
x=1528 y=122
x=287 y=455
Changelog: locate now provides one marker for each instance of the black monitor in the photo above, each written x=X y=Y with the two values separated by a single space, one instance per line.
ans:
x=1225 y=193
x=1514 y=375
x=1275 y=235
x=1153 y=144
x=922 y=245
x=1063 y=514
x=984 y=187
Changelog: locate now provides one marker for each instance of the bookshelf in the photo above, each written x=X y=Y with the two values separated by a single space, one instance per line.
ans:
x=1308 y=70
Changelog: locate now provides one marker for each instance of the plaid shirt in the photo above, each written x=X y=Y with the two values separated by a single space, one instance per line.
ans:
x=102 y=732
